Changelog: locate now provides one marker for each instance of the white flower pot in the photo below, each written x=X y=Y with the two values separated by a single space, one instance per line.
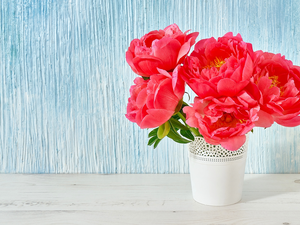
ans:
x=217 y=174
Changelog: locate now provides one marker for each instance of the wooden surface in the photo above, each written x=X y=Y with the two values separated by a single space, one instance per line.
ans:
x=141 y=199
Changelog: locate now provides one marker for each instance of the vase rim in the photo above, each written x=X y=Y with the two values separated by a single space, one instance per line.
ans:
x=201 y=150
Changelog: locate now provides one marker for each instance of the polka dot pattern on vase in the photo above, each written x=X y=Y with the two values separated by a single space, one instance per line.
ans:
x=200 y=149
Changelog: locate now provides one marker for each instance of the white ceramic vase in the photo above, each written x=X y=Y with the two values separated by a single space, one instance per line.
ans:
x=217 y=174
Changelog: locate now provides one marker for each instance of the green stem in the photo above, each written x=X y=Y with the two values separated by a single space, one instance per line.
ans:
x=192 y=129
x=195 y=131
x=184 y=103
x=182 y=117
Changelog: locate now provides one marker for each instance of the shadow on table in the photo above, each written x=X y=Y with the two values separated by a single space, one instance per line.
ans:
x=262 y=186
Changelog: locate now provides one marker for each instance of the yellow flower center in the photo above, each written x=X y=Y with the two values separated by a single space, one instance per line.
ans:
x=242 y=121
x=217 y=63
x=275 y=83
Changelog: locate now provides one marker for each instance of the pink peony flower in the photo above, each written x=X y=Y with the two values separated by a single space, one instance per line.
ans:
x=153 y=102
x=224 y=120
x=220 y=67
x=279 y=83
x=163 y=49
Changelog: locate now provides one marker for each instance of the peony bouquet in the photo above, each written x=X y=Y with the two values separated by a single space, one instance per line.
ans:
x=237 y=88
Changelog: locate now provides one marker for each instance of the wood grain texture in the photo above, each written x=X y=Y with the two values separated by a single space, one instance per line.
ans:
x=64 y=82
x=142 y=199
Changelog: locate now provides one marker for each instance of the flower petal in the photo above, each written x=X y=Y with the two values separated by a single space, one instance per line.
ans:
x=248 y=68
x=155 y=118
x=203 y=89
x=129 y=58
x=233 y=143
x=163 y=72
x=264 y=120
x=147 y=65
x=229 y=87
x=289 y=123
x=164 y=97
x=166 y=49
x=185 y=48
x=178 y=83
x=141 y=98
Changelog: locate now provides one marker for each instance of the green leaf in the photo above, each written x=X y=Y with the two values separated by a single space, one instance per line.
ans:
x=188 y=134
x=184 y=104
x=153 y=133
x=177 y=124
x=176 y=137
x=184 y=115
x=156 y=143
x=176 y=117
x=152 y=140
x=163 y=130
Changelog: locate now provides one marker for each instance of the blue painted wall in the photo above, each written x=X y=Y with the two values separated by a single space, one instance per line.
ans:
x=64 y=82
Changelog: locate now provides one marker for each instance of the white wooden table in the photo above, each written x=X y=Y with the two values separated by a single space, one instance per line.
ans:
x=141 y=199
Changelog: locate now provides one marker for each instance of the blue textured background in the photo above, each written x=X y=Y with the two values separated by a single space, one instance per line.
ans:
x=64 y=82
